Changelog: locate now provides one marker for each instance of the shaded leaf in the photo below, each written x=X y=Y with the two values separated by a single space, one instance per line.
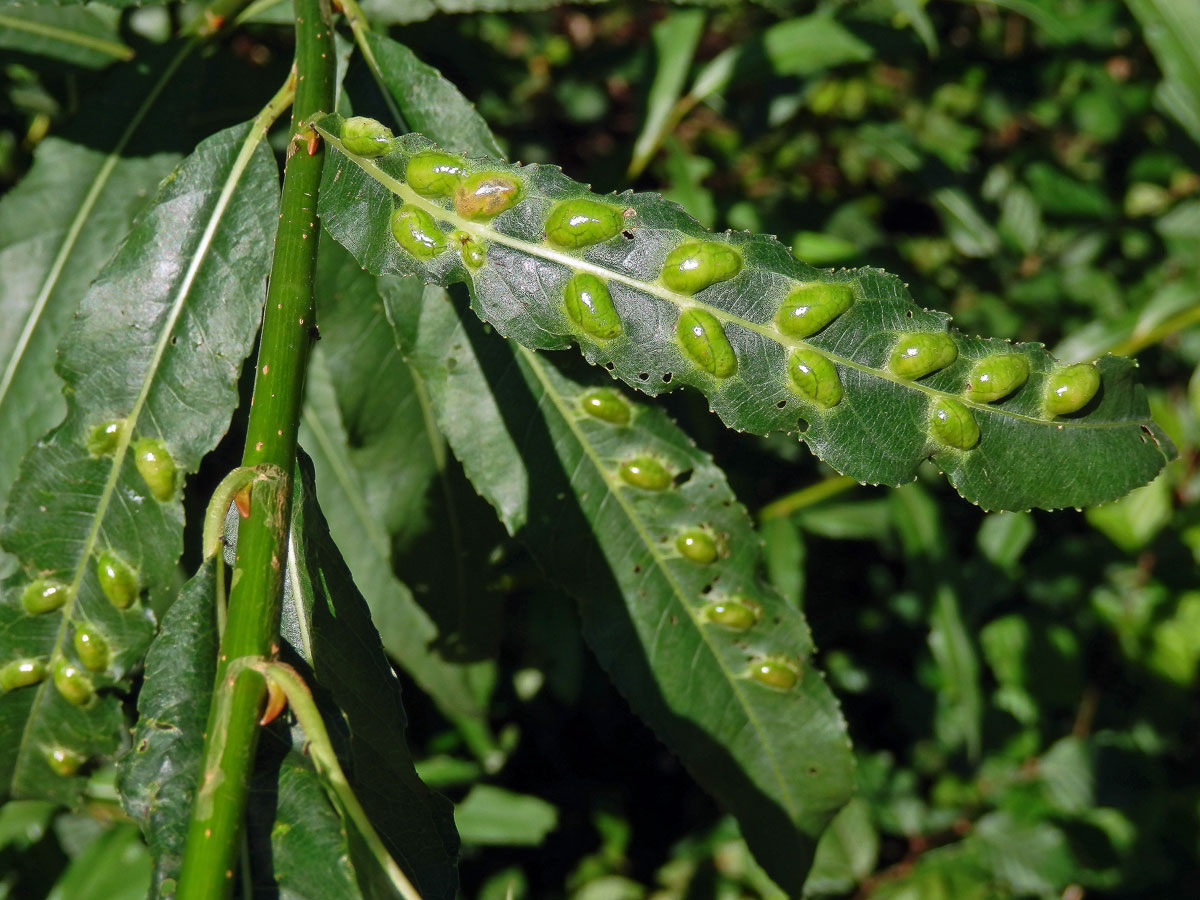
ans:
x=374 y=488
x=157 y=778
x=327 y=622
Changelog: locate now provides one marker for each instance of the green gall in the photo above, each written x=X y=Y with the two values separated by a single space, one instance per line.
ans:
x=580 y=223
x=156 y=467
x=696 y=545
x=735 y=613
x=589 y=305
x=366 y=137
x=695 y=265
x=485 y=195
x=810 y=307
x=780 y=674
x=73 y=683
x=21 y=673
x=1071 y=388
x=814 y=378
x=43 y=596
x=118 y=580
x=103 y=438
x=952 y=424
x=416 y=232
x=606 y=405
x=435 y=174
x=474 y=254
x=919 y=354
x=997 y=376
x=703 y=341
x=645 y=472
x=63 y=761
x=91 y=647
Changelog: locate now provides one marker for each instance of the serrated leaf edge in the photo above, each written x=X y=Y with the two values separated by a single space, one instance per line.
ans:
x=620 y=494
x=681 y=301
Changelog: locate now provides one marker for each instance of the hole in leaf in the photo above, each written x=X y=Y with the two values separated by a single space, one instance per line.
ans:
x=781 y=404
x=627 y=234
x=802 y=425
x=682 y=478
x=643 y=376
x=610 y=366
x=707 y=589
x=666 y=379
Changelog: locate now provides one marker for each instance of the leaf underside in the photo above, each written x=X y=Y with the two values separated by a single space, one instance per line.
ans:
x=878 y=433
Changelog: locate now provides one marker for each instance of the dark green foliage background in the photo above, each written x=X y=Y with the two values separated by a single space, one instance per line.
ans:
x=1020 y=688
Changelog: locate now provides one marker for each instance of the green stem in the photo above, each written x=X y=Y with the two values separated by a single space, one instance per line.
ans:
x=253 y=620
x=806 y=496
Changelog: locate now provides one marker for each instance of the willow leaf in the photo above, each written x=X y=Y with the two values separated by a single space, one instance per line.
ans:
x=156 y=348
x=85 y=37
x=158 y=776
x=679 y=636
x=309 y=856
x=872 y=418
x=83 y=201
x=327 y=622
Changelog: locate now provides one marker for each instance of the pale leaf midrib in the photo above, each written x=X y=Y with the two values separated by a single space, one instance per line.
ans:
x=616 y=491
x=683 y=301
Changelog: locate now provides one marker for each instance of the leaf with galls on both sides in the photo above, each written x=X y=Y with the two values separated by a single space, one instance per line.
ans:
x=663 y=303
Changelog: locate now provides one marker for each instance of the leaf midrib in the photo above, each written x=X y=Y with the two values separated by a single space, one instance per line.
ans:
x=535 y=363
x=241 y=162
x=682 y=301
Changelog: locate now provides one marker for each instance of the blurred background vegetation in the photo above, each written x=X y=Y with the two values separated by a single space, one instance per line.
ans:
x=1020 y=687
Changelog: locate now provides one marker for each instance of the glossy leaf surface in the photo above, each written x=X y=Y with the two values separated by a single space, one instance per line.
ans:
x=878 y=433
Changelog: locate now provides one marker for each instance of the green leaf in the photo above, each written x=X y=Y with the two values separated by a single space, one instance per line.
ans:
x=119 y=4
x=85 y=37
x=777 y=759
x=84 y=201
x=158 y=345
x=327 y=622
x=391 y=12
x=1172 y=30
x=157 y=778
x=847 y=852
x=115 y=866
x=877 y=432
x=311 y=856
x=675 y=40
x=489 y=815
x=428 y=101
x=807 y=44
x=358 y=384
